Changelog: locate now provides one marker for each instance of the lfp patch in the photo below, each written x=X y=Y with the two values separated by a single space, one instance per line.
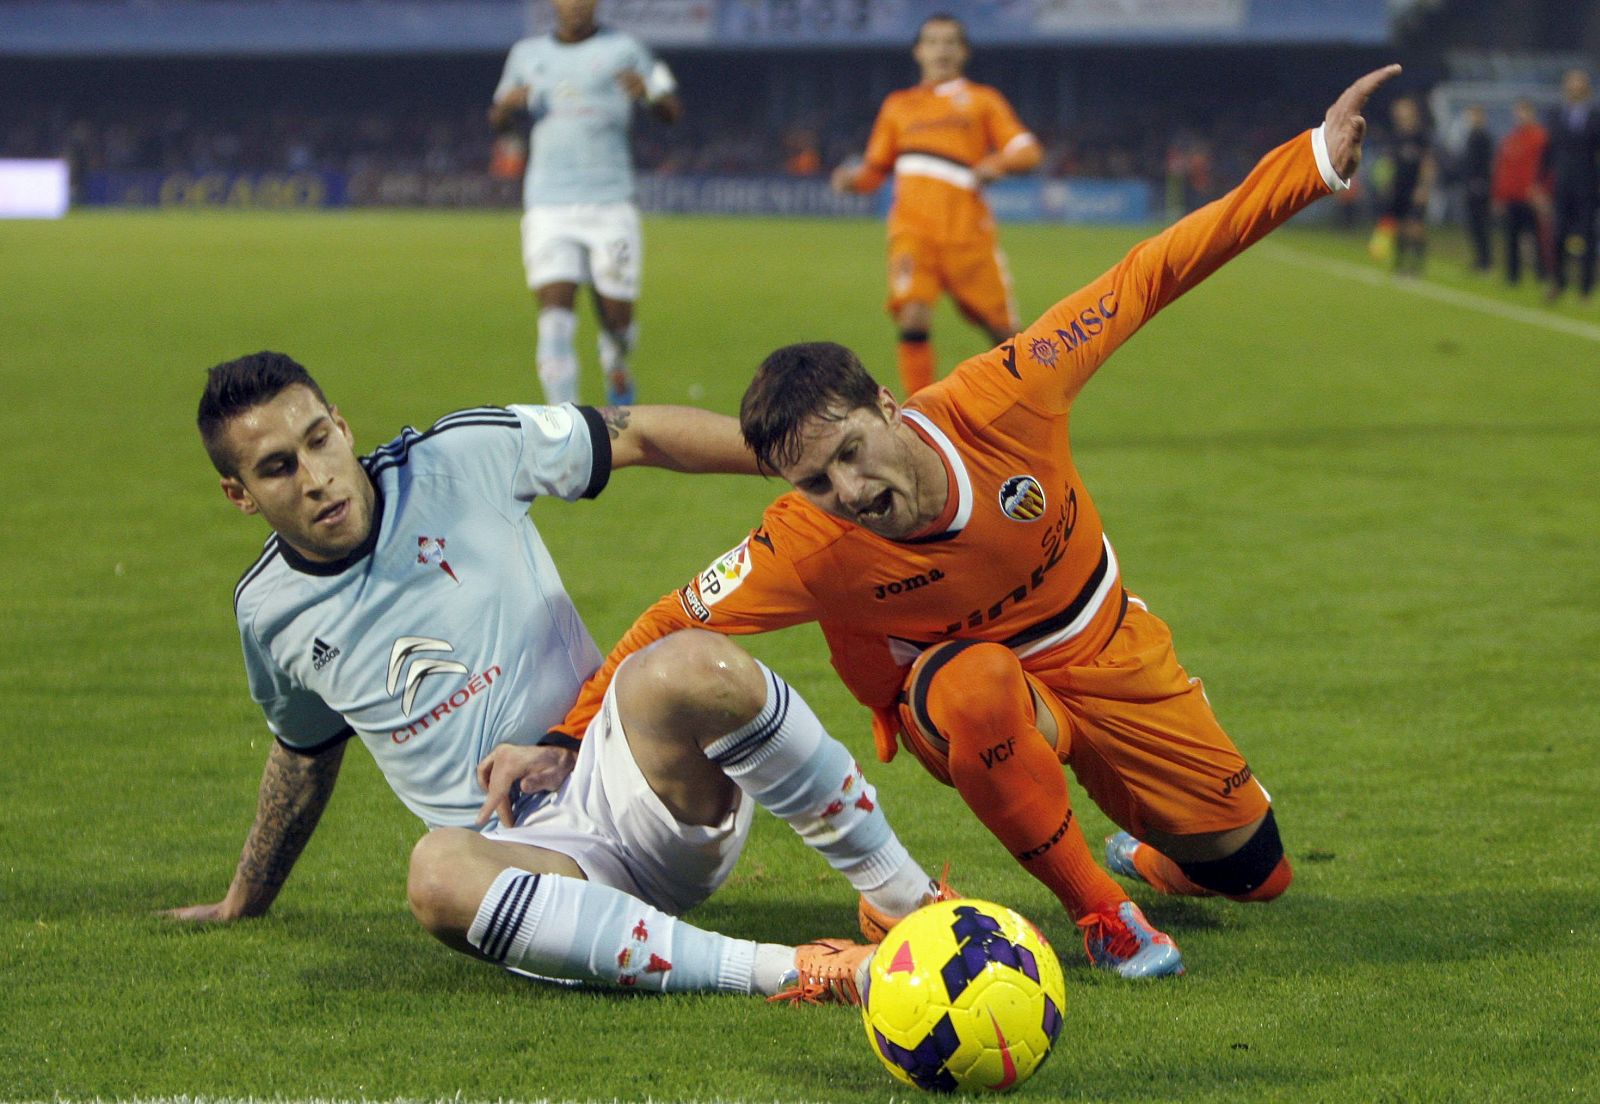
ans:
x=1022 y=499
x=725 y=574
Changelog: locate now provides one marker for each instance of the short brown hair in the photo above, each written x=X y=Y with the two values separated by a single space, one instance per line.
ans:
x=813 y=379
x=943 y=17
x=236 y=386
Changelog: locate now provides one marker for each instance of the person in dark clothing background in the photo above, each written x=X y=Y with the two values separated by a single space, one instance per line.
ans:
x=1572 y=162
x=1411 y=150
x=1477 y=160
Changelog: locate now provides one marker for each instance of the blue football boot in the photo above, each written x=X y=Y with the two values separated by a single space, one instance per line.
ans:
x=1119 y=856
x=1126 y=942
x=619 y=388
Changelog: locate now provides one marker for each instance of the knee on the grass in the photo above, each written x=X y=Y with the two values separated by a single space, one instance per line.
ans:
x=1258 y=871
x=431 y=880
x=700 y=681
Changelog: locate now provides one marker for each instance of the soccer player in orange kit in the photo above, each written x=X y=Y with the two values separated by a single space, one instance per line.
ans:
x=970 y=597
x=943 y=140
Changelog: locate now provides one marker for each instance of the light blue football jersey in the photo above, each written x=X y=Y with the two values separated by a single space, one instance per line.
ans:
x=579 y=150
x=448 y=632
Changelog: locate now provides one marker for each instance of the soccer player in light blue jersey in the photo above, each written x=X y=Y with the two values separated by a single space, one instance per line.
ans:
x=405 y=598
x=581 y=83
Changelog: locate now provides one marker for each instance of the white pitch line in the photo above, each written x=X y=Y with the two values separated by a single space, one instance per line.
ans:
x=1455 y=298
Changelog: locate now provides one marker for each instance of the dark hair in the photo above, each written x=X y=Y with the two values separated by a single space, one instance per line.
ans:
x=236 y=386
x=816 y=379
x=943 y=17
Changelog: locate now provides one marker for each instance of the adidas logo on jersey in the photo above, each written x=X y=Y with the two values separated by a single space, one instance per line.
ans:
x=322 y=653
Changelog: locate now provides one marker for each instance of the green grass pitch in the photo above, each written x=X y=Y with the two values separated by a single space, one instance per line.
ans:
x=1369 y=514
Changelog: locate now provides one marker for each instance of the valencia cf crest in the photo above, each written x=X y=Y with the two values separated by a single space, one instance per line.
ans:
x=1044 y=351
x=1022 y=499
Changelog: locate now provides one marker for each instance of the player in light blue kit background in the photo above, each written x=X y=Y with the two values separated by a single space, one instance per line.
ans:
x=580 y=226
x=405 y=598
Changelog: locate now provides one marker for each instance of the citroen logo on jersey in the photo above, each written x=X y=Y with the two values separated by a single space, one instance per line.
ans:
x=1022 y=499
x=417 y=667
x=431 y=550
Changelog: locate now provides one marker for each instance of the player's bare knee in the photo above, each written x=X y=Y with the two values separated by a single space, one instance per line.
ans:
x=431 y=878
x=915 y=317
x=693 y=680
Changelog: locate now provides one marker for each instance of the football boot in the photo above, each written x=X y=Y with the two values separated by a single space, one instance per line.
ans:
x=1126 y=942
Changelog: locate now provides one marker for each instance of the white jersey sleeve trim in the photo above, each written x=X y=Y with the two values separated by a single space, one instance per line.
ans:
x=659 y=82
x=1021 y=141
x=1319 y=149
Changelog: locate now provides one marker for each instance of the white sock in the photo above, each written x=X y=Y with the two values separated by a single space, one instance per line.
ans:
x=774 y=968
x=562 y=927
x=558 y=358
x=786 y=761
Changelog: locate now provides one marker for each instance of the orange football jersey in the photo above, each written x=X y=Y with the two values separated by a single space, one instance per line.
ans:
x=1021 y=557
x=930 y=137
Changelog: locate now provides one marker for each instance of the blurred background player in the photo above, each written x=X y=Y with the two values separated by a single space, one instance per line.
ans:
x=1572 y=163
x=943 y=141
x=1410 y=185
x=1519 y=196
x=580 y=84
x=1477 y=161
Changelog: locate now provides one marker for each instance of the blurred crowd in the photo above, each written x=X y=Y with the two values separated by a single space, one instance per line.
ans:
x=1195 y=162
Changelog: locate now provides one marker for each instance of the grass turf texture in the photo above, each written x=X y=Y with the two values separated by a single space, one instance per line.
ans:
x=1370 y=520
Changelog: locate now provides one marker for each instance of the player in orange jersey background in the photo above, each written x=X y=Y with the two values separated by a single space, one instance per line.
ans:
x=958 y=568
x=943 y=140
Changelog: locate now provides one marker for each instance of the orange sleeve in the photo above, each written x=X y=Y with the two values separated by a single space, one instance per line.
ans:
x=1000 y=121
x=882 y=148
x=1053 y=358
x=753 y=587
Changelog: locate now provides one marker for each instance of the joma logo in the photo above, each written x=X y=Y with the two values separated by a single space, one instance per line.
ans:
x=881 y=591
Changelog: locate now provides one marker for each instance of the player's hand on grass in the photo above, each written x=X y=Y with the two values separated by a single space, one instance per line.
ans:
x=1344 y=127
x=511 y=769
x=217 y=912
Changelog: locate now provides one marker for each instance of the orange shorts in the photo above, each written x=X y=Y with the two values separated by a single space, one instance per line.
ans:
x=1141 y=739
x=972 y=273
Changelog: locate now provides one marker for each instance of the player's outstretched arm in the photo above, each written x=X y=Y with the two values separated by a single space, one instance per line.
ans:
x=1344 y=127
x=679 y=438
x=294 y=790
x=1071 y=340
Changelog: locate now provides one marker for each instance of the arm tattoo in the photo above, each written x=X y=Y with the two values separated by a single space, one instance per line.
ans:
x=294 y=790
x=616 y=419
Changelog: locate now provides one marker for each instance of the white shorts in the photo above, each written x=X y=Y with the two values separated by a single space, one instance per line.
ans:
x=584 y=243
x=608 y=820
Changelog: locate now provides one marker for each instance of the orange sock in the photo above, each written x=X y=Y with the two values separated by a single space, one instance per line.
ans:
x=916 y=362
x=1009 y=775
x=1165 y=875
